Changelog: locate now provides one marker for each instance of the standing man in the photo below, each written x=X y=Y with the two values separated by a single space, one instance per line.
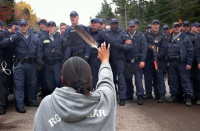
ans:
x=148 y=27
x=63 y=27
x=25 y=56
x=99 y=36
x=102 y=24
x=166 y=30
x=180 y=54
x=55 y=51
x=118 y=39
x=43 y=27
x=156 y=49
x=3 y=89
x=136 y=57
x=186 y=26
x=136 y=23
x=77 y=45
x=195 y=71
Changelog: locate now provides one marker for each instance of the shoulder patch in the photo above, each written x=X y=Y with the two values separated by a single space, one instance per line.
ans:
x=127 y=35
x=46 y=41
x=178 y=39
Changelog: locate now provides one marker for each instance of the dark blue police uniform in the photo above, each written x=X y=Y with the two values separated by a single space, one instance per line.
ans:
x=78 y=46
x=159 y=43
x=180 y=52
x=117 y=58
x=138 y=54
x=54 y=53
x=100 y=37
x=195 y=68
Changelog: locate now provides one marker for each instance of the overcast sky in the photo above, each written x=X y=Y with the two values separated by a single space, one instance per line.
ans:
x=59 y=10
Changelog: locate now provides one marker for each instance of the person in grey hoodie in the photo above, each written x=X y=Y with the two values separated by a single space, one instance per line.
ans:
x=73 y=107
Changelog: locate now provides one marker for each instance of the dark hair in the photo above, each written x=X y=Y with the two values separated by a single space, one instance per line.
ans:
x=77 y=74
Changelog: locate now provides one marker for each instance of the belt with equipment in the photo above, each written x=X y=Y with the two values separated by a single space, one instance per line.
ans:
x=53 y=62
x=77 y=53
x=174 y=58
x=24 y=59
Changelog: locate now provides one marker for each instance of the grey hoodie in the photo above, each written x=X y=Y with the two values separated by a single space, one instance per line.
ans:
x=66 y=110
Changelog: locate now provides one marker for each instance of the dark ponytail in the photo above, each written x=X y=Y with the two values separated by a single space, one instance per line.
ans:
x=77 y=74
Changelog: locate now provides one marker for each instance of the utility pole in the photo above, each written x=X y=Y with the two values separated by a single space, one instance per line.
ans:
x=125 y=17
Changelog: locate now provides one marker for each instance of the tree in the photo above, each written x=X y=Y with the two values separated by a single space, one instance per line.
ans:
x=24 y=10
x=106 y=12
x=7 y=11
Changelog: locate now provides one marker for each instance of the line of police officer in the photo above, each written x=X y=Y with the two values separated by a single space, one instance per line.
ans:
x=130 y=53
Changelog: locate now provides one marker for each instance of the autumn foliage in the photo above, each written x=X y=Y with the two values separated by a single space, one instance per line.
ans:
x=5 y=11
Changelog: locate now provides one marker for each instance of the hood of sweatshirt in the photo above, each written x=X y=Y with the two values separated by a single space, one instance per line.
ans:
x=72 y=106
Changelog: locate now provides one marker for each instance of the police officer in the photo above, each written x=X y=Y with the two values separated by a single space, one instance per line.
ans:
x=102 y=24
x=99 y=36
x=26 y=46
x=78 y=46
x=43 y=27
x=156 y=53
x=166 y=30
x=136 y=56
x=194 y=71
x=3 y=89
x=55 y=51
x=118 y=38
x=148 y=28
x=197 y=68
x=180 y=54
x=186 y=26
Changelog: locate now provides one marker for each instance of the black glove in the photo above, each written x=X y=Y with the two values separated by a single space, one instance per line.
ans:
x=86 y=58
x=2 y=35
x=40 y=62
x=15 y=38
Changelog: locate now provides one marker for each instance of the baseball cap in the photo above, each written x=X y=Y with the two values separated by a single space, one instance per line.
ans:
x=74 y=13
x=113 y=20
x=51 y=23
x=23 y=22
x=155 y=21
x=131 y=23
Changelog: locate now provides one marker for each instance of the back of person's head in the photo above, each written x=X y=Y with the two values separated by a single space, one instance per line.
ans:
x=76 y=73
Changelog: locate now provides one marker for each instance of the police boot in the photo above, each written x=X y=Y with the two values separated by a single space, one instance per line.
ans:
x=161 y=99
x=188 y=100
x=21 y=110
x=122 y=103
x=173 y=99
x=140 y=100
x=148 y=96
x=33 y=104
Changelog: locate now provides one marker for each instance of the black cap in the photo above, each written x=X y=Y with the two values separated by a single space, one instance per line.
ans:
x=51 y=23
x=95 y=19
x=42 y=21
x=14 y=23
x=74 y=13
x=165 y=27
x=113 y=20
x=175 y=23
x=136 y=21
x=102 y=21
x=1 y=23
x=154 y=21
x=149 y=26
x=186 y=23
x=196 y=24
x=131 y=23
x=23 y=22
